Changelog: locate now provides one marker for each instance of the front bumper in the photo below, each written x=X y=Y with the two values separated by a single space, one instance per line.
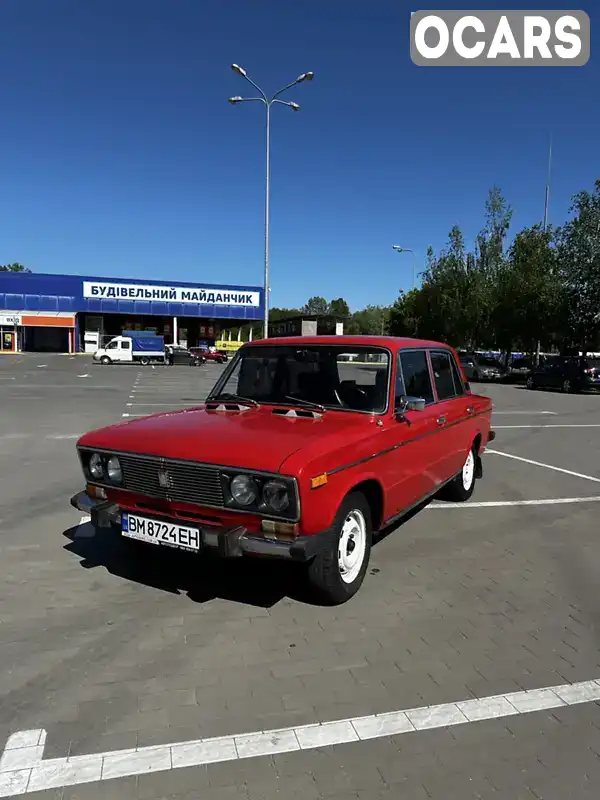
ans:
x=231 y=542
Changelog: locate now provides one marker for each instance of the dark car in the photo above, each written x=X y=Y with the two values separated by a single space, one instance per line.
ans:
x=482 y=368
x=176 y=354
x=573 y=374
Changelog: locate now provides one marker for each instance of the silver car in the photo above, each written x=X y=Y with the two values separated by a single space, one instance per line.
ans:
x=482 y=368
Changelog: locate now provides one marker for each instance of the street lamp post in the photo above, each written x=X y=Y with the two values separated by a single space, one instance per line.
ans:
x=408 y=250
x=306 y=76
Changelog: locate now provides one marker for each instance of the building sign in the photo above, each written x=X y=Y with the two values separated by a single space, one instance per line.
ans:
x=169 y=294
x=10 y=319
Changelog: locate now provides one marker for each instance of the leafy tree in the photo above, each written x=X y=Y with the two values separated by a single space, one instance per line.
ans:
x=15 y=267
x=372 y=320
x=528 y=292
x=579 y=264
x=316 y=305
x=339 y=308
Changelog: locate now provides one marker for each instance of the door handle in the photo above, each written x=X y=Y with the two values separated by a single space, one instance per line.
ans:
x=470 y=410
x=441 y=420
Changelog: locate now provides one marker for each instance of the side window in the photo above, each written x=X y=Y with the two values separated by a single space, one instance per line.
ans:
x=458 y=381
x=442 y=375
x=415 y=372
x=126 y=345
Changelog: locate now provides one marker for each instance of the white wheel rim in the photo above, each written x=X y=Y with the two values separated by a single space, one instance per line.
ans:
x=468 y=471
x=352 y=546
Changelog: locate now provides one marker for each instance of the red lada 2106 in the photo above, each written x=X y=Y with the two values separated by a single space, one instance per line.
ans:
x=305 y=448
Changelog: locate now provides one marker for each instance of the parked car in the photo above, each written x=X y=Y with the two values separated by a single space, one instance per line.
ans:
x=296 y=454
x=176 y=354
x=569 y=374
x=519 y=369
x=480 y=368
x=210 y=355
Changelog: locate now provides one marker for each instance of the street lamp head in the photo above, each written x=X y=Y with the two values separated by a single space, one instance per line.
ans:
x=295 y=106
x=234 y=100
x=306 y=76
x=398 y=249
x=240 y=70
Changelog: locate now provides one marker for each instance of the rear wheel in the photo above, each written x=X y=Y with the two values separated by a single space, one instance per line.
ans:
x=530 y=383
x=338 y=570
x=144 y=361
x=462 y=486
x=566 y=386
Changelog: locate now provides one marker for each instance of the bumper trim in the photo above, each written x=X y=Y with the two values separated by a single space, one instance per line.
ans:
x=230 y=542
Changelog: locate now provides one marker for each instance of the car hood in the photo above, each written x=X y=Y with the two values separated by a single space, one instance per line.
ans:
x=256 y=438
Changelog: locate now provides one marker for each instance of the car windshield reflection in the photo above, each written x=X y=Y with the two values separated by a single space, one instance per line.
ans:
x=321 y=376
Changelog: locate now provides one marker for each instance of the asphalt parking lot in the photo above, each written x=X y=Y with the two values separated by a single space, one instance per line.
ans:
x=495 y=597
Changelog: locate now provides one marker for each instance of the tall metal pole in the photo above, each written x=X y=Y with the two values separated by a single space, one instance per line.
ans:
x=267 y=218
x=408 y=250
x=306 y=76
x=547 y=198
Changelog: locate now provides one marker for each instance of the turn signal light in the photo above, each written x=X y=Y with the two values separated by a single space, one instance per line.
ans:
x=95 y=491
x=320 y=480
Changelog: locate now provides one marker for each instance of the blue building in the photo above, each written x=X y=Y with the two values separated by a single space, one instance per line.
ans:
x=73 y=313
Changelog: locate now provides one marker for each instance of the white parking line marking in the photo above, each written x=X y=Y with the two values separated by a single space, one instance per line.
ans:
x=526 y=413
x=547 y=466
x=555 y=501
x=558 y=425
x=23 y=768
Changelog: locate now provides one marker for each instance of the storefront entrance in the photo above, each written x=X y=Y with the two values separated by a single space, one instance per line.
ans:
x=7 y=340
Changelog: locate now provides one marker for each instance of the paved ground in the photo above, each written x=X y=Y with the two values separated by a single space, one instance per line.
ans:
x=461 y=602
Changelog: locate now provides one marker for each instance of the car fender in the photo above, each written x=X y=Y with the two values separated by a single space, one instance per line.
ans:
x=320 y=505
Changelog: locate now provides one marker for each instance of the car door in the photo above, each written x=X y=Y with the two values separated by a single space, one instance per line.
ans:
x=451 y=443
x=409 y=476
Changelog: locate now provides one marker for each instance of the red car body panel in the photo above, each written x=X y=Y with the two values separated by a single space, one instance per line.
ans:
x=405 y=461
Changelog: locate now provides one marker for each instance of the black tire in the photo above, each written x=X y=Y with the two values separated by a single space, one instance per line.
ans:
x=460 y=489
x=475 y=376
x=566 y=387
x=324 y=573
x=530 y=383
x=105 y=360
x=144 y=361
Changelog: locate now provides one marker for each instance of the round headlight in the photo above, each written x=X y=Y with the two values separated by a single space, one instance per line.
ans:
x=96 y=466
x=244 y=490
x=276 y=496
x=113 y=468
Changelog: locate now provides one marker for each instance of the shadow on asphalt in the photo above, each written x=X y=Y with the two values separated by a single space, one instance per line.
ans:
x=202 y=578
x=252 y=581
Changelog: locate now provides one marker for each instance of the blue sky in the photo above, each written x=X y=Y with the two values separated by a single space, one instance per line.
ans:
x=120 y=155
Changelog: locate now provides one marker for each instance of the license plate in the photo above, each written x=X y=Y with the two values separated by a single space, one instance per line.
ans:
x=155 y=531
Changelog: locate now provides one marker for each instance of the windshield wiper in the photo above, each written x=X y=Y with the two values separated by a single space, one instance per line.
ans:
x=306 y=403
x=229 y=396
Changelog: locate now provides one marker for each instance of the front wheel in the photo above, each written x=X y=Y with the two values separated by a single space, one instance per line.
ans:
x=530 y=383
x=105 y=360
x=338 y=570
x=462 y=486
x=566 y=386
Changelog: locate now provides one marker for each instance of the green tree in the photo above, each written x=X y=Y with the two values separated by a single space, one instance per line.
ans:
x=579 y=264
x=316 y=305
x=369 y=321
x=339 y=308
x=528 y=292
x=15 y=267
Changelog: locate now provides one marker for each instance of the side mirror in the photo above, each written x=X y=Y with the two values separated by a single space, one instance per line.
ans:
x=405 y=403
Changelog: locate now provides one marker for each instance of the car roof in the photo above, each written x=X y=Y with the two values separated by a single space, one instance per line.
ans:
x=389 y=342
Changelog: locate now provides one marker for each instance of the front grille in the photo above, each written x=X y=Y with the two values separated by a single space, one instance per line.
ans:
x=186 y=482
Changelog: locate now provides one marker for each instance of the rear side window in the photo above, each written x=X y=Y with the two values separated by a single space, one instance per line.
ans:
x=415 y=371
x=442 y=375
x=459 y=386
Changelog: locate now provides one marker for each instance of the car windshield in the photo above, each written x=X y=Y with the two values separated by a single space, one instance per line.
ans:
x=332 y=376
